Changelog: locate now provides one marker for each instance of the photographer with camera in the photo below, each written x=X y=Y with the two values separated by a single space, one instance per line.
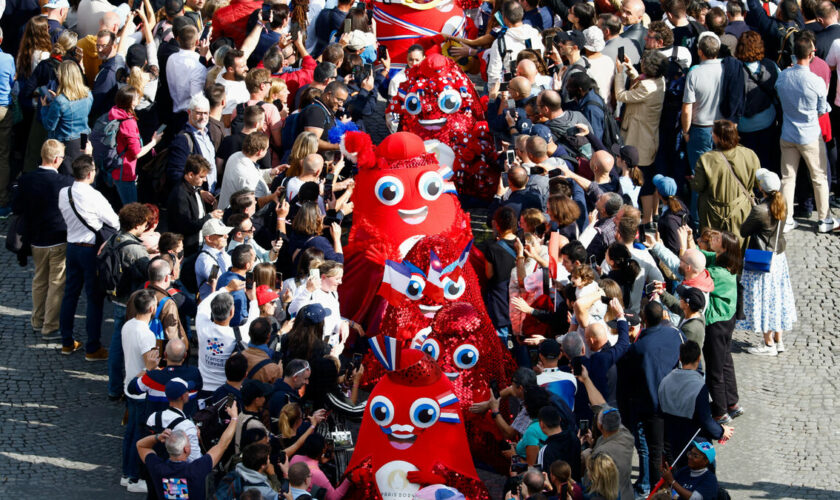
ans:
x=527 y=486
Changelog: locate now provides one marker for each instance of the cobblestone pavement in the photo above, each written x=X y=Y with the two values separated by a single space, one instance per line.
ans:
x=60 y=434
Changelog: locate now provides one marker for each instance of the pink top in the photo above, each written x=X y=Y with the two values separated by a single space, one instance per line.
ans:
x=128 y=144
x=320 y=479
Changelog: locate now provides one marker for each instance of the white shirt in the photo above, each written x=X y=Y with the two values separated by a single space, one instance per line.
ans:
x=191 y=76
x=833 y=60
x=92 y=206
x=90 y=12
x=329 y=301
x=241 y=173
x=683 y=55
x=602 y=70
x=394 y=84
x=216 y=342
x=235 y=93
x=187 y=427
x=137 y=340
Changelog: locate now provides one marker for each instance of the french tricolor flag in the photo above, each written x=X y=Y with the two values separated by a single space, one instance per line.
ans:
x=395 y=280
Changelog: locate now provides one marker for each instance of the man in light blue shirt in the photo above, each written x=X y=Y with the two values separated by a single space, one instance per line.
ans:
x=7 y=79
x=215 y=236
x=803 y=96
x=300 y=480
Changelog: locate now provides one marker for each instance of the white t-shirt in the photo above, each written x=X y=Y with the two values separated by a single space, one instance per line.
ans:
x=137 y=340
x=235 y=93
x=216 y=342
x=602 y=70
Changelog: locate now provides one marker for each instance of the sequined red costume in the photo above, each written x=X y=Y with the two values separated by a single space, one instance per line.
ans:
x=401 y=195
x=412 y=433
x=438 y=101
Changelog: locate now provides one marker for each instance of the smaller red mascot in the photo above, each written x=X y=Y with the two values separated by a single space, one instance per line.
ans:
x=412 y=433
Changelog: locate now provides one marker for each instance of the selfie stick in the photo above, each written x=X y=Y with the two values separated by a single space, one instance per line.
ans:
x=662 y=480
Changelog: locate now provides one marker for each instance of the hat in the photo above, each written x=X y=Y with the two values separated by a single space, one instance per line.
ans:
x=312 y=314
x=542 y=131
x=265 y=294
x=253 y=389
x=550 y=349
x=629 y=154
x=173 y=8
x=524 y=125
x=360 y=39
x=594 y=39
x=574 y=36
x=213 y=227
x=705 y=448
x=665 y=185
x=176 y=388
x=136 y=56
x=57 y=4
x=768 y=180
x=692 y=296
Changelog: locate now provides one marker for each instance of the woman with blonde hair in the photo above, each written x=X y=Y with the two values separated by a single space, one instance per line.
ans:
x=603 y=478
x=769 y=306
x=305 y=144
x=279 y=93
x=64 y=114
x=35 y=46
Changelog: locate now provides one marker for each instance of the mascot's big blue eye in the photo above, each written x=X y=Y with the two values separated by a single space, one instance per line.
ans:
x=431 y=347
x=382 y=410
x=389 y=190
x=431 y=185
x=414 y=290
x=413 y=105
x=465 y=356
x=424 y=412
x=449 y=101
x=453 y=289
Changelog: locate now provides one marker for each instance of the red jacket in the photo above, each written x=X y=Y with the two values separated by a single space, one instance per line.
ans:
x=298 y=78
x=129 y=144
x=232 y=21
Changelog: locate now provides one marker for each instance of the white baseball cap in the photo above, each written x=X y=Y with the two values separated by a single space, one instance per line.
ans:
x=213 y=227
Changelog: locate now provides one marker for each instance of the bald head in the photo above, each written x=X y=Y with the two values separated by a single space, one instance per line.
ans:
x=695 y=259
x=110 y=21
x=632 y=12
x=537 y=149
x=550 y=101
x=596 y=335
x=312 y=164
x=528 y=69
x=517 y=177
x=520 y=87
x=602 y=162
x=176 y=351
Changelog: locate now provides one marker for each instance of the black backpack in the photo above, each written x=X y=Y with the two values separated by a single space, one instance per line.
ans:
x=211 y=422
x=787 y=36
x=238 y=122
x=114 y=280
x=612 y=132
x=675 y=74
x=158 y=427
x=188 y=277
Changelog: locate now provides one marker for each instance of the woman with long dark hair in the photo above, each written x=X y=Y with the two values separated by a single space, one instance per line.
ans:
x=623 y=269
x=129 y=143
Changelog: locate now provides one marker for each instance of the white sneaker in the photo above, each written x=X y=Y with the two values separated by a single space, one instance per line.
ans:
x=828 y=225
x=124 y=481
x=780 y=347
x=790 y=226
x=763 y=350
x=137 y=487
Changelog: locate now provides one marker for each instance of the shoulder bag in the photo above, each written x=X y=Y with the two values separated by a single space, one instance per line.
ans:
x=102 y=234
x=760 y=261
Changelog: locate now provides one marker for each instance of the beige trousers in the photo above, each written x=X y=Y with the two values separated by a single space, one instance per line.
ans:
x=817 y=161
x=48 y=286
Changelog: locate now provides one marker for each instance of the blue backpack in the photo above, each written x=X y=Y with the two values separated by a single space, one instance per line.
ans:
x=103 y=140
x=156 y=325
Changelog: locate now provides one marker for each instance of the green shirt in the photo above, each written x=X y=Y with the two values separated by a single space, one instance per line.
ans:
x=723 y=299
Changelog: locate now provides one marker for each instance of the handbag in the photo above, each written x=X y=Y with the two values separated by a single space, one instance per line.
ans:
x=744 y=190
x=16 y=241
x=760 y=261
x=102 y=234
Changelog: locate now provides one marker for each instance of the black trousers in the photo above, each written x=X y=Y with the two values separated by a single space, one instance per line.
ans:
x=720 y=370
x=654 y=426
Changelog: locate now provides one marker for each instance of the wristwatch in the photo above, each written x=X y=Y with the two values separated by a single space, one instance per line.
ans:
x=494 y=414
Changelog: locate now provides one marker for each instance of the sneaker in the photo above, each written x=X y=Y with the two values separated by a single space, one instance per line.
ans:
x=99 y=355
x=790 y=226
x=780 y=347
x=68 y=350
x=124 y=481
x=724 y=419
x=763 y=350
x=137 y=487
x=828 y=225
x=735 y=411
x=51 y=335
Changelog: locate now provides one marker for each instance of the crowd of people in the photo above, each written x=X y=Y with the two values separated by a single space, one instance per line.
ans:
x=175 y=159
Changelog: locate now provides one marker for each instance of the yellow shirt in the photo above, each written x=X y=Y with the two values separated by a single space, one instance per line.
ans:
x=90 y=58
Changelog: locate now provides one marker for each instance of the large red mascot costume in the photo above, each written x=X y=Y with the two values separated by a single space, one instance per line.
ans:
x=438 y=101
x=412 y=433
x=401 y=195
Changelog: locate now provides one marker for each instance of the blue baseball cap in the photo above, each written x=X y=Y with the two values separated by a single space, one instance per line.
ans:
x=542 y=131
x=665 y=185
x=176 y=388
x=706 y=448
x=312 y=314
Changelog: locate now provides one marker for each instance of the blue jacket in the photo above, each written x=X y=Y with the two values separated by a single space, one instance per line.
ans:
x=66 y=120
x=240 y=301
x=650 y=359
x=7 y=78
x=105 y=86
x=588 y=107
x=37 y=200
x=601 y=364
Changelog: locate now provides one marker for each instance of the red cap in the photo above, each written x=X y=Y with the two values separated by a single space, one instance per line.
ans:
x=403 y=150
x=265 y=294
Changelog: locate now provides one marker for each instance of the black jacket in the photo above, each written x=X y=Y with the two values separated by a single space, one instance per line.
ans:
x=518 y=201
x=761 y=228
x=37 y=200
x=182 y=213
x=562 y=446
x=825 y=38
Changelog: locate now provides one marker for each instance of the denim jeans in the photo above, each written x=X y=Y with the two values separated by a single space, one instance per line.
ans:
x=699 y=142
x=133 y=433
x=81 y=271
x=642 y=483
x=127 y=191
x=115 y=354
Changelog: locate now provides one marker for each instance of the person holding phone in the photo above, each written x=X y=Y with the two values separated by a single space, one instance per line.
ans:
x=64 y=114
x=242 y=261
x=328 y=26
